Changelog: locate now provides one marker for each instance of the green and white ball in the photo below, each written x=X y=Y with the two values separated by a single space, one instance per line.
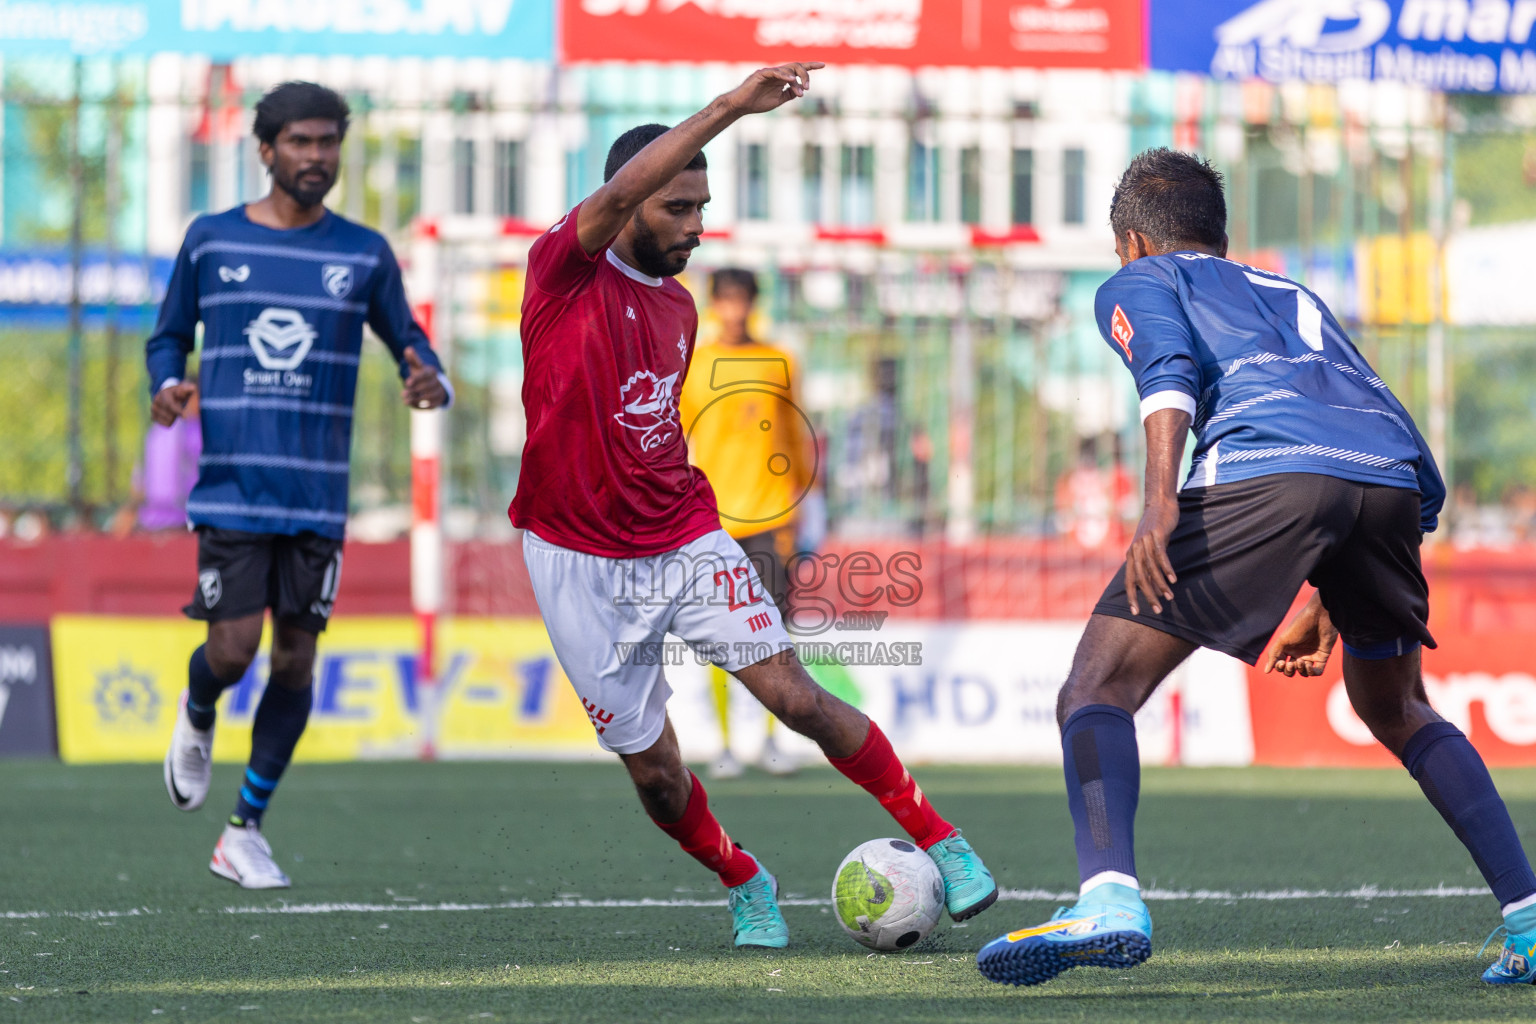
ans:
x=888 y=894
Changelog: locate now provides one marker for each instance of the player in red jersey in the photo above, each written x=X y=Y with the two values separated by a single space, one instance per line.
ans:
x=623 y=540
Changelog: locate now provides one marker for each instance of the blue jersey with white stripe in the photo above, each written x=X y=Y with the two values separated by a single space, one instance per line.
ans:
x=1271 y=380
x=283 y=315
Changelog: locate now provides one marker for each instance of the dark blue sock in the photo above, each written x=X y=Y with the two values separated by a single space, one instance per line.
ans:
x=280 y=720
x=1452 y=774
x=203 y=689
x=1103 y=767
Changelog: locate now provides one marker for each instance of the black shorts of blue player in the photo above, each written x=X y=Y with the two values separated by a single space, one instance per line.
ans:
x=241 y=574
x=1242 y=550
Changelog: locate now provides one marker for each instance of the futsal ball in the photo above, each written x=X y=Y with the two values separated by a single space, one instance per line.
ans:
x=888 y=894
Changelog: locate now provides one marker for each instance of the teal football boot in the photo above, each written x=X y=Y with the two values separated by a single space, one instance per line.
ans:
x=755 y=916
x=1109 y=927
x=1516 y=964
x=968 y=885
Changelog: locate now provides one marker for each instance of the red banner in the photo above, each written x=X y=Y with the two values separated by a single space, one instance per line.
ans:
x=1483 y=615
x=975 y=33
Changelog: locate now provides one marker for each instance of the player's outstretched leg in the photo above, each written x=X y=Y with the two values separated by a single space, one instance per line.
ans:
x=1388 y=694
x=675 y=799
x=1118 y=665
x=214 y=667
x=243 y=854
x=856 y=747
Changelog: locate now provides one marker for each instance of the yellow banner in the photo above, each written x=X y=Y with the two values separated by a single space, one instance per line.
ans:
x=118 y=682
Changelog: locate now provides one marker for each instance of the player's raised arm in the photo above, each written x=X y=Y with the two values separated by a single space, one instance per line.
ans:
x=607 y=210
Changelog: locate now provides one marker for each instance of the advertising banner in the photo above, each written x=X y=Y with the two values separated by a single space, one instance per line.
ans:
x=983 y=692
x=225 y=29
x=1479 y=679
x=973 y=33
x=1450 y=45
x=947 y=692
x=501 y=694
x=26 y=693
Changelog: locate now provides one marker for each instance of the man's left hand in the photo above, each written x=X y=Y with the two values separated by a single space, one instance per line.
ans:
x=423 y=389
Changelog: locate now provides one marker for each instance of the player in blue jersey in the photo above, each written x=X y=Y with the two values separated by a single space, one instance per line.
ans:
x=283 y=288
x=1305 y=470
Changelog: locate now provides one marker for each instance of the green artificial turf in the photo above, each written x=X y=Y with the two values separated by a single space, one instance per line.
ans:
x=79 y=842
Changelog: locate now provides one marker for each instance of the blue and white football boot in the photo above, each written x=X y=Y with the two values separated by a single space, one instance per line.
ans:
x=755 y=916
x=1109 y=927
x=1516 y=964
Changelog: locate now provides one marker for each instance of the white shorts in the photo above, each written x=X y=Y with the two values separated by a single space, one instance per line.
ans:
x=608 y=619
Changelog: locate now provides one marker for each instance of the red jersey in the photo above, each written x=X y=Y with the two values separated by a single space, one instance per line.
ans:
x=605 y=349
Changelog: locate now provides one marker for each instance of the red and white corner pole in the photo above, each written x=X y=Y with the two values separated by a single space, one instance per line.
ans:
x=427 y=563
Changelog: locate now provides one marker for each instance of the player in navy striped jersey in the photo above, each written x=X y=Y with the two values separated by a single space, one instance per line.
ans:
x=283 y=288
x=1306 y=469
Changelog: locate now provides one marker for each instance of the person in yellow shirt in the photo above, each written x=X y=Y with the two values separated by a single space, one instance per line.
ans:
x=746 y=432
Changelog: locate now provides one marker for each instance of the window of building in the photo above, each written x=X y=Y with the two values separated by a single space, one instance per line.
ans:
x=922 y=182
x=1074 y=164
x=1023 y=186
x=463 y=175
x=752 y=178
x=858 y=186
x=970 y=185
x=509 y=178
x=812 y=182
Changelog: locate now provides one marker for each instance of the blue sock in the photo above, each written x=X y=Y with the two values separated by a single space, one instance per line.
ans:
x=280 y=720
x=1103 y=771
x=1445 y=765
x=203 y=689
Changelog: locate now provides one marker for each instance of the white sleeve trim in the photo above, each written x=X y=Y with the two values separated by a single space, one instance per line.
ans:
x=167 y=383
x=1167 y=400
x=447 y=386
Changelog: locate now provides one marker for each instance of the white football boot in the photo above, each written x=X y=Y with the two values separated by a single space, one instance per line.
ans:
x=244 y=857
x=189 y=762
x=775 y=761
x=726 y=767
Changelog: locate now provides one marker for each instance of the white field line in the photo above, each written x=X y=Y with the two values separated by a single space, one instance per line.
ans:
x=1364 y=892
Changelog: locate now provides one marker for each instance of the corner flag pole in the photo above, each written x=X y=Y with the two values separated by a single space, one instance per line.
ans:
x=427 y=563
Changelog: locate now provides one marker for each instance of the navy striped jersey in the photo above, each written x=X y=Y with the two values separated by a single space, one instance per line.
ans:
x=1271 y=380
x=283 y=315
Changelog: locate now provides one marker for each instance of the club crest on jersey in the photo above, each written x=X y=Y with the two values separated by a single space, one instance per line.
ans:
x=212 y=585
x=1120 y=329
x=337 y=278
x=650 y=406
x=281 y=338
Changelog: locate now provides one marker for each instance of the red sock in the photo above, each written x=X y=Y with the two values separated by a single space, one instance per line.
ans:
x=702 y=838
x=877 y=768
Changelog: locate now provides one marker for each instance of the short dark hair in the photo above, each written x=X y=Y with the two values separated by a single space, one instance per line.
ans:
x=733 y=277
x=1173 y=198
x=633 y=141
x=298 y=101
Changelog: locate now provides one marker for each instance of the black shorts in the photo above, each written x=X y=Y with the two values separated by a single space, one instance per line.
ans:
x=240 y=574
x=1242 y=550
x=770 y=552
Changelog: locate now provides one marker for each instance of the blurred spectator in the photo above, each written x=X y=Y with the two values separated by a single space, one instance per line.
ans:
x=1096 y=506
x=748 y=434
x=164 y=479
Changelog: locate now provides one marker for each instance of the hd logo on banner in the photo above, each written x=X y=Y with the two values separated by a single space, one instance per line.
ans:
x=502 y=694
x=1450 y=45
